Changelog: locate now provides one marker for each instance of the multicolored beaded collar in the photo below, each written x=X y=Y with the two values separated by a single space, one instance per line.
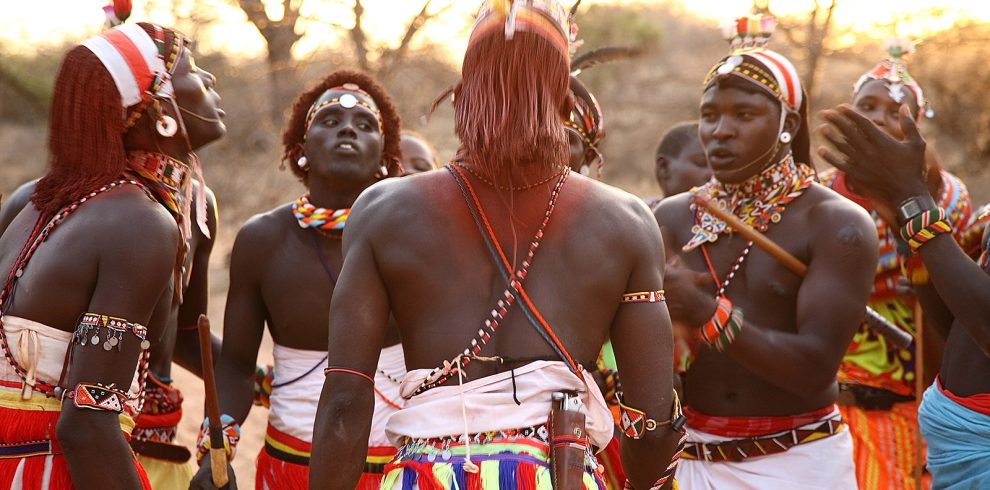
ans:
x=322 y=220
x=758 y=201
x=347 y=101
x=165 y=176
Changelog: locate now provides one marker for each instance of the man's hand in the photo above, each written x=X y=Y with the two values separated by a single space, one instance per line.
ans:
x=884 y=169
x=689 y=297
x=203 y=480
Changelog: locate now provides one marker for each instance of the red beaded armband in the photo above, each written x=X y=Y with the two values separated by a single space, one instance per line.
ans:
x=721 y=330
x=925 y=226
x=635 y=424
x=644 y=297
x=96 y=396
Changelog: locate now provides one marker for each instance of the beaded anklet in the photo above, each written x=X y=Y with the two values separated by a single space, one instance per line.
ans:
x=721 y=330
x=231 y=432
x=925 y=226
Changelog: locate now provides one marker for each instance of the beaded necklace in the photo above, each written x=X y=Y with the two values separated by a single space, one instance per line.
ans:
x=39 y=234
x=328 y=222
x=165 y=176
x=527 y=187
x=759 y=201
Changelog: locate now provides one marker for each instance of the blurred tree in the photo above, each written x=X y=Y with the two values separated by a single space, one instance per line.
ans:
x=280 y=36
x=811 y=37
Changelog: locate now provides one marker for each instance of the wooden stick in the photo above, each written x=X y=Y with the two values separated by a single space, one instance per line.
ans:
x=919 y=388
x=218 y=452
x=873 y=320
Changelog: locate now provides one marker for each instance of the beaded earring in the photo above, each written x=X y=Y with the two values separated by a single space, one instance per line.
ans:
x=166 y=126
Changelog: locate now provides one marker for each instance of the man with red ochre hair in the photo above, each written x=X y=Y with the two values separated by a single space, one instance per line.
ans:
x=342 y=136
x=498 y=312
x=77 y=327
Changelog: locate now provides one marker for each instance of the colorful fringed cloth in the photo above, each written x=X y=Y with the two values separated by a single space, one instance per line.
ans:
x=505 y=462
x=284 y=463
x=29 y=452
x=160 y=414
x=884 y=445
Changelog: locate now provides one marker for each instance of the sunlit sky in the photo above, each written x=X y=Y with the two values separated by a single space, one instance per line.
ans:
x=29 y=25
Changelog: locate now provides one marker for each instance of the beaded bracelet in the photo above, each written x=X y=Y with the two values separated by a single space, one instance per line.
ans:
x=721 y=330
x=914 y=270
x=97 y=396
x=635 y=424
x=925 y=226
x=231 y=435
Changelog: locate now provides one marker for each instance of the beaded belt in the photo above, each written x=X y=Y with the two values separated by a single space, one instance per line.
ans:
x=26 y=449
x=740 y=449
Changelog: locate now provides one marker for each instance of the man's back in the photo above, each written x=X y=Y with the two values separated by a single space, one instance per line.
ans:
x=442 y=284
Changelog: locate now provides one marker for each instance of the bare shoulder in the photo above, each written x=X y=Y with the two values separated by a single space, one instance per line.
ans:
x=263 y=231
x=832 y=215
x=396 y=200
x=673 y=210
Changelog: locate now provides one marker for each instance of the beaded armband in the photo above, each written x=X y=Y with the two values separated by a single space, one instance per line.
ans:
x=635 y=424
x=644 y=297
x=88 y=331
x=721 y=330
x=925 y=226
x=231 y=431
x=97 y=396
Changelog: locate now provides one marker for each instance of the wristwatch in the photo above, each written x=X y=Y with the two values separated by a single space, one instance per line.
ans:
x=913 y=206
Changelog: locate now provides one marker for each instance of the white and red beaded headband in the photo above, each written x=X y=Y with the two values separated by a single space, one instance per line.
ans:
x=748 y=37
x=136 y=62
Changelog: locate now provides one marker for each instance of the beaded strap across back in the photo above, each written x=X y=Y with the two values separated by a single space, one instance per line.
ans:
x=514 y=289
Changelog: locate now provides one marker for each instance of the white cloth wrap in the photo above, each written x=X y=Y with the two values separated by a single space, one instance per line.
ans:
x=824 y=464
x=490 y=405
x=293 y=407
x=41 y=349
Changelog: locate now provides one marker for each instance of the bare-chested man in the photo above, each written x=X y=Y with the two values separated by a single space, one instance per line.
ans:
x=495 y=306
x=954 y=415
x=878 y=379
x=153 y=438
x=343 y=136
x=78 y=325
x=761 y=393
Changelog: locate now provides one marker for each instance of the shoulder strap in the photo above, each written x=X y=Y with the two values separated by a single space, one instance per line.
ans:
x=504 y=267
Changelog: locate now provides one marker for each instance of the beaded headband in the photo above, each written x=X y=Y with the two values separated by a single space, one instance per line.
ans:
x=141 y=65
x=752 y=61
x=893 y=72
x=347 y=101
x=545 y=18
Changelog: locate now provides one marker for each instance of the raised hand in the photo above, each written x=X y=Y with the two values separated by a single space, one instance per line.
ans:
x=879 y=166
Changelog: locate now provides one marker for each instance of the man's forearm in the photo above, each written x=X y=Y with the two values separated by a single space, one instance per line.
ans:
x=340 y=436
x=187 y=352
x=962 y=285
x=96 y=453
x=787 y=360
x=646 y=460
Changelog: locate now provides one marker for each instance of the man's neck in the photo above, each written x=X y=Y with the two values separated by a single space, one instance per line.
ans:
x=334 y=194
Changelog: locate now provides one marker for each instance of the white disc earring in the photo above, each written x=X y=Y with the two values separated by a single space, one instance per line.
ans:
x=382 y=172
x=302 y=163
x=166 y=126
x=785 y=137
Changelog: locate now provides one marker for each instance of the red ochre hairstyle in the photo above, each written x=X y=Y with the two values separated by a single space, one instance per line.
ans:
x=86 y=133
x=295 y=128
x=511 y=101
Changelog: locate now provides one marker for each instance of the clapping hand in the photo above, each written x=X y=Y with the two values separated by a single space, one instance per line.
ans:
x=884 y=169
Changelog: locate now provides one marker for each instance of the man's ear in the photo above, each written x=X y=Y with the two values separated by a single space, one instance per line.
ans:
x=663 y=167
x=792 y=122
